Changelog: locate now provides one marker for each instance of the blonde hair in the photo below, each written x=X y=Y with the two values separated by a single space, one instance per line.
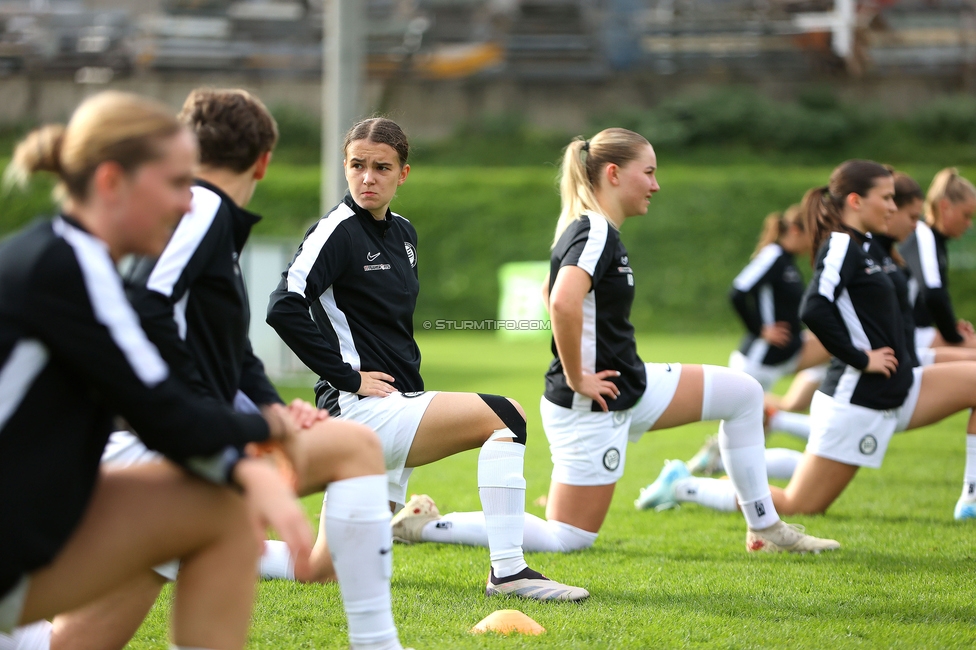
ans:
x=583 y=160
x=110 y=126
x=776 y=224
x=947 y=184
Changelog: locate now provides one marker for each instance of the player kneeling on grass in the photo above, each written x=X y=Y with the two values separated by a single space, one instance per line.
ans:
x=873 y=388
x=345 y=306
x=72 y=355
x=599 y=393
x=192 y=302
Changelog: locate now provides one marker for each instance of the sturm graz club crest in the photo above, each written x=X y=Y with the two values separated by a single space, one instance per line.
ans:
x=868 y=445
x=411 y=254
x=611 y=459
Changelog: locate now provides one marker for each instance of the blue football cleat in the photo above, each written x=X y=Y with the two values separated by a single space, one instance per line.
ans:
x=660 y=494
x=965 y=509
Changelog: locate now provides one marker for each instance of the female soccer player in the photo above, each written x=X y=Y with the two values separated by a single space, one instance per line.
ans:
x=949 y=207
x=872 y=389
x=598 y=392
x=356 y=271
x=193 y=304
x=73 y=356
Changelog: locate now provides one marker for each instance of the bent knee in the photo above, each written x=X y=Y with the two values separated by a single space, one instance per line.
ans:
x=518 y=407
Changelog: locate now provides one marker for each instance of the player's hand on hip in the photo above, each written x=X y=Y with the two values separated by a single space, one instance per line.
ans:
x=272 y=504
x=376 y=384
x=595 y=386
x=882 y=361
x=778 y=334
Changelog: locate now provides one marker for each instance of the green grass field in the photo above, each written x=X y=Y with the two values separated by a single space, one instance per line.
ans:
x=905 y=577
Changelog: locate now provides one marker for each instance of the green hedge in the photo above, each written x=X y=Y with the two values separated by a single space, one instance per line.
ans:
x=698 y=233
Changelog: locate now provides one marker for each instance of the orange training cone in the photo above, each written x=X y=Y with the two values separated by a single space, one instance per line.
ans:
x=506 y=621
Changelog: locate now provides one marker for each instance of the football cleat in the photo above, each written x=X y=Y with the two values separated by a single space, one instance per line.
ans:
x=533 y=585
x=660 y=494
x=965 y=509
x=708 y=460
x=408 y=524
x=782 y=537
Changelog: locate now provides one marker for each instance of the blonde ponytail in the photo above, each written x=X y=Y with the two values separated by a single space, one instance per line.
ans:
x=40 y=151
x=947 y=184
x=583 y=161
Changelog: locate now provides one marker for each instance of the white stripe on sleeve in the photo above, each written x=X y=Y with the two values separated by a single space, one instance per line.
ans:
x=834 y=260
x=596 y=240
x=312 y=246
x=859 y=339
x=186 y=239
x=757 y=268
x=25 y=363
x=107 y=298
x=928 y=257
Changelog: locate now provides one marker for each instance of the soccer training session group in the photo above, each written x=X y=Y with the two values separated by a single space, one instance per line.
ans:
x=141 y=438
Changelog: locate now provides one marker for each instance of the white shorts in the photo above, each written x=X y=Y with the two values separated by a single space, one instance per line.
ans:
x=856 y=435
x=924 y=336
x=926 y=356
x=767 y=376
x=590 y=447
x=395 y=419
x=12 y=605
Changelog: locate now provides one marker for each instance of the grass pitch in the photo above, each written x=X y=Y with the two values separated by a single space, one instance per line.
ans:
x=904 y=577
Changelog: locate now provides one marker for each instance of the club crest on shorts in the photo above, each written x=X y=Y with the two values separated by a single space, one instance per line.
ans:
x=416 y=393
x=619 y=417
x=868 y=445
x=611 y=459
x=411 y=253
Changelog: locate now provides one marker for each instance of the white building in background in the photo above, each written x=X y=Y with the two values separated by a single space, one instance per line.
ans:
x=262 y=262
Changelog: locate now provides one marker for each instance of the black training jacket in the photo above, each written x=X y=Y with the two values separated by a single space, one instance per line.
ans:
x=345 y=303
x=905 y=287
x=193 y=303
x=72 y=357
x=767 y=290
x=925 y=254
x=607 y=340
x=851 y=305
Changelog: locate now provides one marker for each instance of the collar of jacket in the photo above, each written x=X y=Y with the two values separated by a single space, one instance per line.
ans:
x=366 y=217
x=241 y=220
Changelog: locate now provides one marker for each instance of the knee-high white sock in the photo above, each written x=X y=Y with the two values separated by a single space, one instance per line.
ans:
x=795 y=424
x=781 y=463
x=276 y=561
x=737 y=399
x=709 y=492
x=357 y=525
x=502 y=489
x=35 y=636
x=969 y=477
x=539 y=536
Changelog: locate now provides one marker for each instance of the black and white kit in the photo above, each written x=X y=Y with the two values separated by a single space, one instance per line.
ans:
x=926 y=256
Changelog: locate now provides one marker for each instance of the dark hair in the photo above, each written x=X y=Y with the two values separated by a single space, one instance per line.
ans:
x=233 y=126
x=381 y=131
x=907 y=190
x=823 y=206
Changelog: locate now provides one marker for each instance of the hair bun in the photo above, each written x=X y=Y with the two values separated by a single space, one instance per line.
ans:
x=40 y=151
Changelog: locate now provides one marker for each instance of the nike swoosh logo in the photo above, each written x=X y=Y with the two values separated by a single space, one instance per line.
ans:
x=669 y=366
x=384 y=551
x=371 y=256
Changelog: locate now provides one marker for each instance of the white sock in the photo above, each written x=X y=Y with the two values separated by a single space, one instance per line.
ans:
x=969 y=477
x=781 y=463
x=709 y=492
x=276 y=561
x=34 y=636
x=737 y=399
x=795 y=424
x=357 y=525
x=502 y=489
x=539 y=536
